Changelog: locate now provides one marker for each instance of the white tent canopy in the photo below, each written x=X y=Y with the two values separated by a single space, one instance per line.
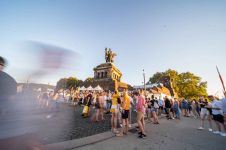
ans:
x=98 y=88
x=82 y=88
x=90 y=88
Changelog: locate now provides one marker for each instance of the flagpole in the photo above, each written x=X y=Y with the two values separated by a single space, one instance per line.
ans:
x=221 y=79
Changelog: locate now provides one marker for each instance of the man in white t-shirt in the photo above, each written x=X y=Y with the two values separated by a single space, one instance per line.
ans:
x=218 y=116
x=161 y=105
x=223 y=100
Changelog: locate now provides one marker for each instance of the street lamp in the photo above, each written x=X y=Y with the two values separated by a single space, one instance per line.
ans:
x=144 y=83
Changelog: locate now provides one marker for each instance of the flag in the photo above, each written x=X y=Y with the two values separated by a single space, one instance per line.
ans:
x=222 y=82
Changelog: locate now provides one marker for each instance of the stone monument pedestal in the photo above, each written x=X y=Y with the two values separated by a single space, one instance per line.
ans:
x=108 y=77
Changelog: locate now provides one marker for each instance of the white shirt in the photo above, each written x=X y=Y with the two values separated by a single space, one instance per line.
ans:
x=217 y=104
x=223 y=101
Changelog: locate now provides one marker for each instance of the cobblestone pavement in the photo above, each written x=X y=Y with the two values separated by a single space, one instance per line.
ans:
x=27 y=126
x=61 y=123
x=169 y=135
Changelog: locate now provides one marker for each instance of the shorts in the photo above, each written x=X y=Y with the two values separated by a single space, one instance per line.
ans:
x=140 y=115
x=210 y=111
x=204 y=111
x=153 y=109
x=167 y=110
x=161 y=107
x=114 y=109
x=125 y=114
x=219 y=118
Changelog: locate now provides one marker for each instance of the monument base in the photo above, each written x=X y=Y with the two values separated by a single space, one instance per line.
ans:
x=107 y=85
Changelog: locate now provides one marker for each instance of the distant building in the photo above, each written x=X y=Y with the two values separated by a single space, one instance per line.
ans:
x=158 y=90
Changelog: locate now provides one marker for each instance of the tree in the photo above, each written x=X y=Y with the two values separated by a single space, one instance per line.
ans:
x=68 y=83
x=190 y=86
x=61 y=84
x=72 y=82
x=89 y=79
x=186 y=84
x=156 y=77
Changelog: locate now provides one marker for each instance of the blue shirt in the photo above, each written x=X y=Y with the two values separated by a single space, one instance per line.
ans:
x=160 y=102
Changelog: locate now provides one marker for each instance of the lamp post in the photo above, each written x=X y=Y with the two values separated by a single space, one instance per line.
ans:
x=144 y=83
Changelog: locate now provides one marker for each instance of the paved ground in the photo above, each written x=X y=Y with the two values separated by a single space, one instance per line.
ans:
x=31 y=127
x=23 y=118
x=169 y=135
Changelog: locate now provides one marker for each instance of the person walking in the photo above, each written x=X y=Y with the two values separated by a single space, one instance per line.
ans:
x=205 y=113
x=194 y=108
x=87 y=103
x=218 y=116
x=125 y=114
x=198 y=108
x=184 y=106
x=167 y=108
x=223 y=100
x=176 y=108
x=102 y=105
x=109 y=100
x=189 y=107
x=8 y=89
x=154 y=110
x=96 y=116
x=161 y=106
x=140 y=107
x=114 y=112
x=130 y=109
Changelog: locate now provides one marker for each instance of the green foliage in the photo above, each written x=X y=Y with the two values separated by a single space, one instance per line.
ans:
x=186 y=84
x=89 y=79
x=68 y=83
x=72 y=82
x=156 y=77
x=61 y=84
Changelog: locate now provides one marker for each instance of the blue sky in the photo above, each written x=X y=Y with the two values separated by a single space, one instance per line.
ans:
x=184 y=35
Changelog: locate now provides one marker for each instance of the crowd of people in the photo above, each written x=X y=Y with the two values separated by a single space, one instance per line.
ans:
x=122 y=104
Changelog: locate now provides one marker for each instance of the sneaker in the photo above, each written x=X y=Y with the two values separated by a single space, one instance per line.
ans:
x=119 y=135
x=200 y=128
x=211 y=130
x=144 y=136
x=130 y=125
x=223 y=134
x=216 y=132
x=115 y=131
x=141 y=136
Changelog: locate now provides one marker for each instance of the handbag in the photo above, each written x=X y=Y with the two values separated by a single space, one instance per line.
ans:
x=85 y=110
